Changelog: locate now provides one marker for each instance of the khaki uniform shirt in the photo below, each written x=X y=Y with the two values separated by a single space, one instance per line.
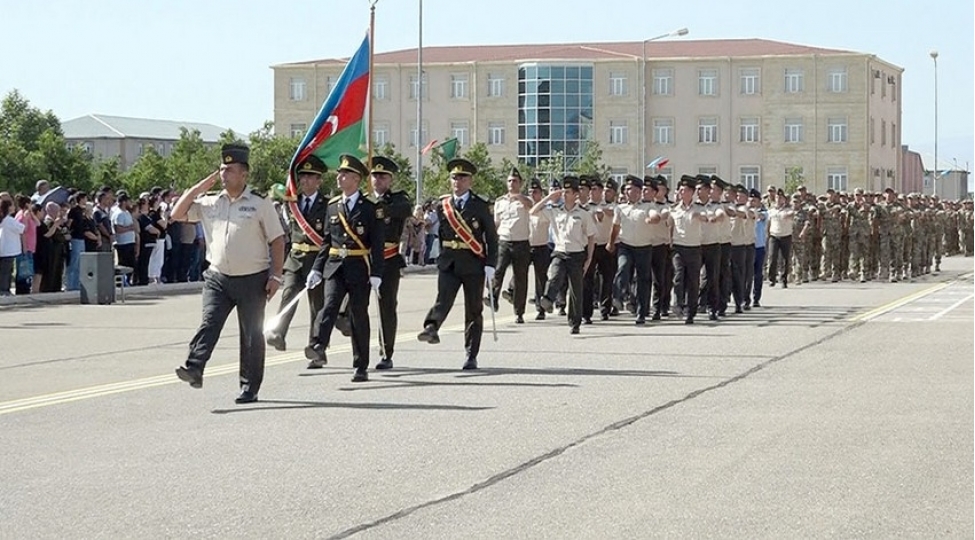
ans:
x=604 y=228
x=687 y=229
x=725 y=225
x=512 y=218
x=709 y=231
x=237 y=232
x=742 y=228
x=571 y=229
x=780 y=221
x=660 y=231
x=538 y=230
x=632 y=219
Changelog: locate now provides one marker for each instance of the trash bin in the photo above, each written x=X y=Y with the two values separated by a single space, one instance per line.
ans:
x=97 y=273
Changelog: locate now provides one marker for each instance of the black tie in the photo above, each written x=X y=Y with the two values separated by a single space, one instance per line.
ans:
x=460 y=203
x=307 y=208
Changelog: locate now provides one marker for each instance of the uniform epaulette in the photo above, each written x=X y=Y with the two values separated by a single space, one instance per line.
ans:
x=371 y=198
x=258 y=194
x=394 y=191
x=483 y=198
x=445 y=196
x=335 y=199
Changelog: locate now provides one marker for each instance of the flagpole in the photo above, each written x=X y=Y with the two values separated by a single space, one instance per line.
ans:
x=372 y=51
x=419 y=110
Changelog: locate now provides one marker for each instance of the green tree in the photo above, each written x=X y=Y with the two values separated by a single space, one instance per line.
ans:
x=191 y=160
x=270 y=157
x=793 y=179
x=591 y=161
x=404 y=178
x=107 y=172
x=553 y=168
x=149 y=171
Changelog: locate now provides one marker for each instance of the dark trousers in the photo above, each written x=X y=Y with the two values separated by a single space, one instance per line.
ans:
x=567 y=268
x=518 y=255
x=658 y=272
x=603 y=265
x=448 y=283
x=388 y=294
x=739 y=264
x=6 y=274
x=710 y=293
x=749 y=279
x=336 y=287
x=221 y=294
x=668 y=279
x=781 y=246
x=724 y=276
x=126 y=255
x=687 y=278
x=294 y=284
x=758 y=275
x=633 y=261
x=189 y=260
x=541 y=259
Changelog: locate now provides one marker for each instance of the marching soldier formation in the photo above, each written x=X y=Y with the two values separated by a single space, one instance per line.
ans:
x=704 y=251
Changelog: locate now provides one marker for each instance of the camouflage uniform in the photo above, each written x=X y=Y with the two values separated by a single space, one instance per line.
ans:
x=965 y=228
x=896 y=215
x=919 y=243
x=859 y=230
x=799 y=245
x=883 y=227
x=938 y=228
x=833 y=264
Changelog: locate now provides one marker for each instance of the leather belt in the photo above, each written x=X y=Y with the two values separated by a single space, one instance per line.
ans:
x=390 y=250
x=455 y=244
x=307 y=248
x=345 y=252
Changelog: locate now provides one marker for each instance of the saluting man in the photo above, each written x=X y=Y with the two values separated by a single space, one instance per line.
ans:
x=245 y=247
x=306 y=219
x=513 y=223
x=351 y=265
x=468 y=251
x=396 y=208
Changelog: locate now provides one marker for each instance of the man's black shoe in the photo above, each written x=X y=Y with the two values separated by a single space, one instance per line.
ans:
x=641 y=320
x=385 y=363
x=343 y=325
x=190 y=375
x=655 y=316
x=604 y=317
x=713 y=316
x=429 y=334
x=508 y=295
x=277 y=341
x=756 y=304
x=562 y=311
x=540 y=316
x=246 y=396
x=316 y=353
x=470 y=364
x=360 y=376
x=575 y=330
x=739 y=309
x=586 y=320
x=519 y=319
x=689 y=320
x=545 y=304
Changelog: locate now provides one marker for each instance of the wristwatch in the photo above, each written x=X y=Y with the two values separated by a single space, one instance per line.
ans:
x=279 y=279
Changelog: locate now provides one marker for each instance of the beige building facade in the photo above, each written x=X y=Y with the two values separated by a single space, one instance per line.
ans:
x=749 y=110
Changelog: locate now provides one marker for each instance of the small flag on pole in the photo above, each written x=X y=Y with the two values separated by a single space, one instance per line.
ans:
x=428 y=147
x=658 y=163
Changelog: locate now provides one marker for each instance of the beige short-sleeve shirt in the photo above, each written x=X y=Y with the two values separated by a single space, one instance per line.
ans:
x=538 y=228
x=632 y=219
x=604 y=226
x=237 y=232
x=513 y=219
x=571 y=229
x=687 y=229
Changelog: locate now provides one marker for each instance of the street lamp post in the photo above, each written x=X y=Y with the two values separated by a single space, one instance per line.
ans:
x=934 y=172
x=643 y=93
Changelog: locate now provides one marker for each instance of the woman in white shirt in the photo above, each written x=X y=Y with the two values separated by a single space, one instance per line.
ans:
x=10 y=245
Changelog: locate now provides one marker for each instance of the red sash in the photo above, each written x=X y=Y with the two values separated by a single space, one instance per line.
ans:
x=311 y=233
x=460 y=227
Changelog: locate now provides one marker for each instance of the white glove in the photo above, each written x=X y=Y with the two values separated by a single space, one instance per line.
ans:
x=375 y=282
x=314 y=279
x=488 y=274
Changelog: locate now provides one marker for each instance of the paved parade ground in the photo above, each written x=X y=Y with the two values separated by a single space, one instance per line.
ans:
x=835 y=410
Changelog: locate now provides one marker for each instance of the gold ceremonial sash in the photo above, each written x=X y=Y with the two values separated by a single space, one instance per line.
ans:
x=460 y=227
x=355 y=237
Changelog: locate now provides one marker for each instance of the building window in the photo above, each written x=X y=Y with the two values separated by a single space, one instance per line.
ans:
x=883 y=133
x=380 y=135
x=749 y=177
x=618 y=132
x=380 y=89
x=330 y=82
x=297 y=89
x=663 y=131
x=749 y=130
x=893 y=134
x=87 y=147
x=415 y=87
x=836 y=130
x=749 y=81
x=618 y=174
x=707 y=169
x=836 y=81
x=873 y=127
x=495 y=133
x=663 y=82
x=458 y=86
x=707 y=82
x=458 y=130
x=617 y=84
x=495 y=86
x=836 y=178
x=793 y=130
x=413 y=139
x=883 y=87
x=298 y=130
x=668 y=173
x=707 y=130
x=793 y=81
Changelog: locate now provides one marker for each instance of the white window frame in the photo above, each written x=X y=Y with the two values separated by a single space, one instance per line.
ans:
x=883 y=132
x=413 y=142
x=460 y=131
x=750 y=131
x=495 y=133
x=380 y=88
x=663 y=81
x=836 y=81
x=663 y=131
x=617 y=84
x=330 y=83
x=707 y=82
x=873 y=130
x=618 y=174
x=88 y=147
x=298 y=130
x=794 y=81
x=707 y=130
x=836 y=131
x=750 y=176
x=793 y=132
x=750 y=81
x=618 y=132
x=421 y=88
x=495 y=86
x=837 y=178
x=298 y=89
x=380 y=135
x=458 y=86
x=707 y=169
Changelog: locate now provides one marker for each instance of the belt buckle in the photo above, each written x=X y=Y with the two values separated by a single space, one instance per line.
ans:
x=343 y=253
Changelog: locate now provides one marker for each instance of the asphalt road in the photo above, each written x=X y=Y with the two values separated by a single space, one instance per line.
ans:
x=833 y=411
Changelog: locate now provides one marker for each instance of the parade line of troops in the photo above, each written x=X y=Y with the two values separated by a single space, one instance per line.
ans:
x=598 y=249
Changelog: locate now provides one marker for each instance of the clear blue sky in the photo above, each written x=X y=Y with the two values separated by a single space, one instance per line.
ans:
x=208 y=60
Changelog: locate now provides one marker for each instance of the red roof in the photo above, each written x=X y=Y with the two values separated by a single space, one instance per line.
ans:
x=592 y=51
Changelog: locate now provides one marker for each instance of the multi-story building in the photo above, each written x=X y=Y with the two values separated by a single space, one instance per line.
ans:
x=749 y=110
x=911 y=171
x=108 y=137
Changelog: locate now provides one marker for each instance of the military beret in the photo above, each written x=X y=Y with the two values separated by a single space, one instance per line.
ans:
x=514 y=173
x=702 y=181
x=461 y=167
x=830 y=190
x=740 y=188
x=311 y=165
x=350 y=163
x=595 y=182
x=570 y=182
x=383 y=165
x=780 y=193
x=584 y=181
x=633 y=181
x=754 y=193
x=660 y=180
x=717 y=182
x=536 y=183
x=611 y=184
x=233 y=153
x=771 y=188
x=687 y=181
x=555 y=184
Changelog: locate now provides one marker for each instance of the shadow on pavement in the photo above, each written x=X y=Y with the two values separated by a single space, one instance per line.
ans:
x=285 y=404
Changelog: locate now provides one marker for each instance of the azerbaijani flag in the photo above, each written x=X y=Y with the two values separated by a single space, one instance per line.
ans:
x=658 y=163
x=340 y=127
